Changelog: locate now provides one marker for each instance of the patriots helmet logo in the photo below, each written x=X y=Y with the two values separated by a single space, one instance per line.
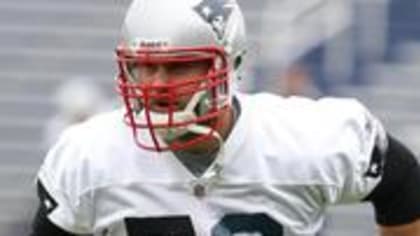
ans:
x=216 y=13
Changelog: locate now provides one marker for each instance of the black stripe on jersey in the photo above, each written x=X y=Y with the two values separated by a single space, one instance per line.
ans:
x=396 y=199
x=47 y=202
x=376 y=165
x=41 y=225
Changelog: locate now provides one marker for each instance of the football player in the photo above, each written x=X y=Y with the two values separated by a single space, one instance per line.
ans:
x=190 y=155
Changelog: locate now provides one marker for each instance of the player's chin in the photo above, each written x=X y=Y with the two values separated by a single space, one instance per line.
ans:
x=206 y=144
x=207 y=141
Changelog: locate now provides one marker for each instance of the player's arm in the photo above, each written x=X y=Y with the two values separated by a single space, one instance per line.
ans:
x=42 y=225
x=396 y=198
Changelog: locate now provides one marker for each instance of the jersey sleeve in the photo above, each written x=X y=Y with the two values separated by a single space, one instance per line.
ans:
x=62 y=180
x=355 y=161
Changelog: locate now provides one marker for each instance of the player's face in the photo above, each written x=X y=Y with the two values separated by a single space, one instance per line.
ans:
x=162 y=75
x=177 y=95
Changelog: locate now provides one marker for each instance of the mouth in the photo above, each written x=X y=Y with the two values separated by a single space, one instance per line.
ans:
x=164 y=106
x=160 y=108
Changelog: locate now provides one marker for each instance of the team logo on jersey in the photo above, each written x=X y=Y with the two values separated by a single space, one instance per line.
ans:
x=48 y=204
x=216 y=13
x=376 y=164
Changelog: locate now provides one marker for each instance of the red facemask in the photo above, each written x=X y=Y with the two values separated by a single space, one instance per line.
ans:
x=178 y=113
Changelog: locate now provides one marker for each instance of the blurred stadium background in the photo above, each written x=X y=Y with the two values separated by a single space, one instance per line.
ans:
x=364 y=49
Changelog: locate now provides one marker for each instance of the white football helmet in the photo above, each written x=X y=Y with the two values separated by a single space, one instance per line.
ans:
x=166 y=31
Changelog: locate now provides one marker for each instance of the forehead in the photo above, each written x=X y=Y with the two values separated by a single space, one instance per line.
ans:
x=162 y=55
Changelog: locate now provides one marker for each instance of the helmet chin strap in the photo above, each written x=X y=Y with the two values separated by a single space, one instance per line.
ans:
x=199 y=99
x=201 y=129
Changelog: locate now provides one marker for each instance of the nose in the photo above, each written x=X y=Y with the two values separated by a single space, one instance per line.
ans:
x=158 y=75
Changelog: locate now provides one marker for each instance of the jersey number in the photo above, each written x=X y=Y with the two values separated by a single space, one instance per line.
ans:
x=231 y=224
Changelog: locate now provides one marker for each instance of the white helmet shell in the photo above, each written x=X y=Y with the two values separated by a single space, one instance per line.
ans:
x=187 y=23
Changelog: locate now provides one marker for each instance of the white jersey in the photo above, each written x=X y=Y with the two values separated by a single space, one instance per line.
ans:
x=284 y=162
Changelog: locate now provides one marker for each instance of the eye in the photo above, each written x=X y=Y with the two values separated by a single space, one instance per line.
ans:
x=178 y=68
x=188 y=68
x=138 y=70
